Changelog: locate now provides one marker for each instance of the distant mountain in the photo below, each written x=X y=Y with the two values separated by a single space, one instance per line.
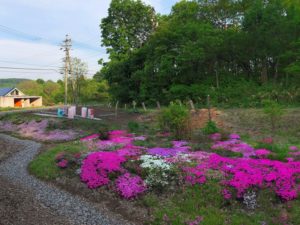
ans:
x=11 y=82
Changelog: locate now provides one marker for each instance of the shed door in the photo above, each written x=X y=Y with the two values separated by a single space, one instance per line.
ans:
x=18 y=103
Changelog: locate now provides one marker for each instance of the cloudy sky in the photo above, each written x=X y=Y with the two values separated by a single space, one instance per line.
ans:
x=31 y=32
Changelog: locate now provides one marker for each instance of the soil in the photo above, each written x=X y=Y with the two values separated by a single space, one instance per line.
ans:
x=104 y=199
x=19 y=207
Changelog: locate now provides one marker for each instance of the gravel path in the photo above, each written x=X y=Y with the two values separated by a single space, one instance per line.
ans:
x=68 y=208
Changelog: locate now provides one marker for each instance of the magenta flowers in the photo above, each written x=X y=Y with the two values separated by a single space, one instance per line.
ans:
x=262 y=153
x=130 y=186
x=63 y=163
x=97 y=166
x=243 y=174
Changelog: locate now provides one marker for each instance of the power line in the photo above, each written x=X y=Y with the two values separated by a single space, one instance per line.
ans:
x=36 y=38
x=29 y=64
x=24 y=68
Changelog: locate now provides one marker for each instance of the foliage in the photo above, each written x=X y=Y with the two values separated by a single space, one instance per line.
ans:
x=210 y=128
x=175 y=118
x=127 y=26
x=44 y=166
x=133 y=126
x=274 y=112
x=10 y=82
x=198 y=49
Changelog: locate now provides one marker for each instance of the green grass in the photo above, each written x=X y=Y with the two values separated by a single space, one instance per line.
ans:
x=18 y=118
x=206 y=201
x=92 y=126
x=44 y=165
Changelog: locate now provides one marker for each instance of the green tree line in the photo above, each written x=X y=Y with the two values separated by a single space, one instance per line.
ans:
x=238 y=52
x=52 y=92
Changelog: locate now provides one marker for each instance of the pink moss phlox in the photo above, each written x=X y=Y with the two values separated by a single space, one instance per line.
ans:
x=130 y=186
x=226 y=194
x=295 y=153
x=234 y=136
x=97 y=166
x=178 y=144
x=90 y=137
x=168 y=152
x=63 y=163
x=293 y=148
x=262 y=153
x=196 y=221
x=129 y=151
x=267 y=140
x=199 y=156
x=121 y=140
x=290 y=159
x=215 y=137
x=243 y=174
x=38 y=131
x=195 y=175
x=103 y=144
x=117 y=133
x=140 y=138
x=235 y=145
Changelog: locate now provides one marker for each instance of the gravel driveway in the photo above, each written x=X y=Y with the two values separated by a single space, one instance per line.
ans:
x=24 y=200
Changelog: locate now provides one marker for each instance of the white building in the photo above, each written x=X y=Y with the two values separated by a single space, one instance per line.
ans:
x=13 y=97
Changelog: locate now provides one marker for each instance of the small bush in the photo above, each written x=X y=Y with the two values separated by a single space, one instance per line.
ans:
x=133 y=126
x=175 y=119
x=103 y=133
x=210 y=128
x=274 y=112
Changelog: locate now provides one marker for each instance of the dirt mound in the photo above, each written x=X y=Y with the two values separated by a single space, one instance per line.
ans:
x=201 y=117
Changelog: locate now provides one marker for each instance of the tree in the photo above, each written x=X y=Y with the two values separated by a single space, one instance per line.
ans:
x=30 y=87
x=230 y=49
x=128 y=25
x=77 y=78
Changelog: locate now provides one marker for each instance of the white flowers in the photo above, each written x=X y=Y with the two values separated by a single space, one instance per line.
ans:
x=154 y=162
x=159 y=174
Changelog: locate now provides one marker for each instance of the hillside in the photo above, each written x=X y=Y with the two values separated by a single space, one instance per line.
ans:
x=10 y=82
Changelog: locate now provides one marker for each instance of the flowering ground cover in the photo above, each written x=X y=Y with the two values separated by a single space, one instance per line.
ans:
x=38 y=129
x=135 y=172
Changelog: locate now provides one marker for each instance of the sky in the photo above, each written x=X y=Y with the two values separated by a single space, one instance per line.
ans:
x=31 y=32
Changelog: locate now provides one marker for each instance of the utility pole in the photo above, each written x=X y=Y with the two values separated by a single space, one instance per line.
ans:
x=66 y=47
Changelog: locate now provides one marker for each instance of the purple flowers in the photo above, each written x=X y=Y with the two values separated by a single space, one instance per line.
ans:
x=130 y=186
x=167 y=152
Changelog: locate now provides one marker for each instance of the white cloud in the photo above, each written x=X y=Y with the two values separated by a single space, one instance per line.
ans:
x=31 y=55
x=52 y=19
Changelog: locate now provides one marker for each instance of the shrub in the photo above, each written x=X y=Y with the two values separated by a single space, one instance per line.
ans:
x=104 y=133
x=210 y=128
x=133 y=126
x=274 y=112
x=175 y=118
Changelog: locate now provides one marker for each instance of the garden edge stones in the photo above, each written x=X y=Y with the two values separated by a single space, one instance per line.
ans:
x=62 y=203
